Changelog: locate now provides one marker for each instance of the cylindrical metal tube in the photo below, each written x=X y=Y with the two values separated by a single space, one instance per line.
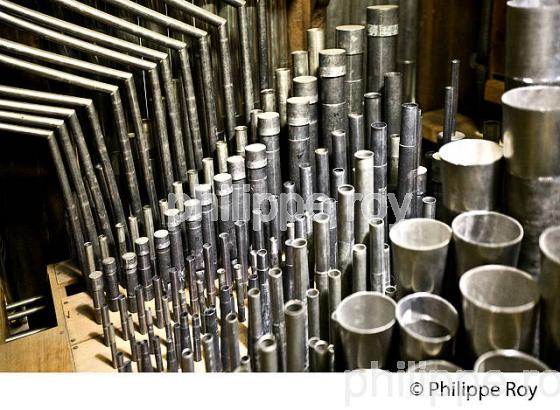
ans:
x=277 y=312
x=210 y=359
x=550 y=270
x=366 y=338
x=531 y=46
x=269 y=126
x=321 y=242
x=322 y=171
x=300 y=62
x=378 y=272
x=485 y=238
x=332 y=71
x=429 y=207
x=493 y=321
x=382 y=32
x=339 y=150
x=378 y=134
x=301 y=268
x=131 y=279
x=407 y=157
x=295 y=317
x=351 y=39
x=307 y=86
x=232 y=339
x=419 y=260
x=283 y=87
x=356 y=140
x=187 y=362
x=363 y=183
x=112 y=292
x=313 y=315
x=315 y=43
x=508 y=361
x=463 y=162
x=267 y=353
x=359 y=268
x=392 y=101
x=428 y=325
x=298 y=137
x=345 y=237
x=255 y=324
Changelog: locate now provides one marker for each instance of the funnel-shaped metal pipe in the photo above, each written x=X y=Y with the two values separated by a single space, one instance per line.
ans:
x=428 y=325
x=550 y=287
x=471 y=175
x=419 y=255
x=508 y=361
x=499 y=308
x=366 y=336
x=485 y=238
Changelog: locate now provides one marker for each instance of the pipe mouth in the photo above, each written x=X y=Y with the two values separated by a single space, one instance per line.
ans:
x=499 y=289
x=366 y=313
x=537 y=98
x=430 y=366
x=312 y=293
x=488 y=229
x=427 y=317
x=299 y=243
x=470 y=152
x=429 y=200
x=509 y=361
x=293 y=308
x=549 y=242
x=267 y=343
x=420 y=234
x=321 y=217
x=533 y=4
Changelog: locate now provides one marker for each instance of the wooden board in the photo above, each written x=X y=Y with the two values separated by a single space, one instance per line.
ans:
x=432 y=124
x=493 y=91
x=86 y=336
x=47 y=351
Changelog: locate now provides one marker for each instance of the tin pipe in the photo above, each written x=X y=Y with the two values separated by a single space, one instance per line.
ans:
x=129 y=265
x=550 y=268
x=377 y=268
x=407 y=157
x=307 y=86
x=429 y=207
x=299 y=142
x=322 y=171
x=306 y=182
x=283 y=91
x=332 y=72
x=197 y=330
x=232 y=339
x=109 y=266
x=301 y=268
x=300 y=63
x=373 y=104
x=382 y=32
x=419 y=259
x=275 y=279
x=392 y=101
x=339 y=150
x=268 y=100
x=321 y=242
x=267 y=353
x=162 y=244
x=315 y=43
x=428 y=325
x=485 y=238
x=263 y=48
x=313 y=314
x=483 y=302
x=363 y=183
x=351 y=39
x=240 y=292
x=531 y=63
x=345 y=237
x=469 y=160
x=256 y=329
x=187 y=362
x=269 y=126
x=366 y=338
x=295 y=317
x=356 y=139
x=359 y=268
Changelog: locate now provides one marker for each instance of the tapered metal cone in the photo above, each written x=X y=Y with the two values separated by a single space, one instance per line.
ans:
x=471 y=175
x=428 y=325
x=429 y=366
x=499 y=308
x=365 y=322
x=550 y=289
x=485 y=238
x=419 y=249
x=509 y=361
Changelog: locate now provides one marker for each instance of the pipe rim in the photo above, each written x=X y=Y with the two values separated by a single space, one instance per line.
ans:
x=466 y=293
x=446 y=230
x=533 y=5
x=493 y=245
x=508 y=354
x=467 y=152
x=360 y=331
x=547 y=245
x=400 y=311
x=531 y=99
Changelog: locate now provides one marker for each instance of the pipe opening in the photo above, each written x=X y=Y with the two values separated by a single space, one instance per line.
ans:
x=487 y=228
x=366 y=312
x=470 y=152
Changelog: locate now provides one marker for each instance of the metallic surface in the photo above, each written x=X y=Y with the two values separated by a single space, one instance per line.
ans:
x=428 y=325
x=485 y=238
x=366 y=338
x=499 y=308
x=419 y=247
